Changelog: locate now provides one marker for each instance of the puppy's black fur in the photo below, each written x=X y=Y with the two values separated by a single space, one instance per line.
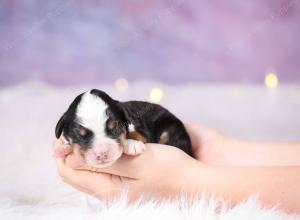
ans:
x=152 y=123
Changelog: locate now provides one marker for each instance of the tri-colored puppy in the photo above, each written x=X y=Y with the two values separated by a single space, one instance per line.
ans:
x=101 y=129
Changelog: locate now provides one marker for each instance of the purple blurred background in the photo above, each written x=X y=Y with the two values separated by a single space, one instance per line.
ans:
x=175 y=41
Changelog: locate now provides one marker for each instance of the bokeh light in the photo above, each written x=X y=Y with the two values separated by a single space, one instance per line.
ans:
x=156 y=95
x=271 y=80
x=121 y=84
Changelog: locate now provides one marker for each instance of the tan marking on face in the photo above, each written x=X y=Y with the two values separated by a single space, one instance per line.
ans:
x=78 y=151
x=82 y=151
x=82 y=131
x=164 y=137
x=122 y=139
x=137 y=136
x=111 y=124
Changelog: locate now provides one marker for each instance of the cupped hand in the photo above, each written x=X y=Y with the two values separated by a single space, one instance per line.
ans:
x=160 y=172
x=208 y=144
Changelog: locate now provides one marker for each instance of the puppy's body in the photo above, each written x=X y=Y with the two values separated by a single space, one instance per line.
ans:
x=103 y=128
x=156 y=125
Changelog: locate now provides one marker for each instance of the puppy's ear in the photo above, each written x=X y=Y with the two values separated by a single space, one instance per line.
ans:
x=106 y=98
x=60 y=126
x=113 y=104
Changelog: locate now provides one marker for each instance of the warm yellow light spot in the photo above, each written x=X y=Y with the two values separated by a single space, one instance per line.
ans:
x=271 y=80
x=121 y=84
x=156 y=95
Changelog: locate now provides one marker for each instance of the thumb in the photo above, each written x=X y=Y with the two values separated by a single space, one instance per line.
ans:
x=126 y=166
x=133 y=167
x=139 y=166
x=75 y=162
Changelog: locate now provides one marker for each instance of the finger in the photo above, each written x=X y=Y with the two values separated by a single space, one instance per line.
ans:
x=122 y=167
x=136 y=167
x=76 y=162
x=91 y=182
x=132 y=167
x=126 y=166
x=61 y=149
x=57 y=143
x=192 y=131
x=196 y=133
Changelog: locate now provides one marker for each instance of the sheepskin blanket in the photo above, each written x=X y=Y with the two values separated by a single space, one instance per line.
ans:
x=31 y=189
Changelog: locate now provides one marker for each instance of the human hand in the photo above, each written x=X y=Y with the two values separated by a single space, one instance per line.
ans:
x=208 y=144
x=165 y=172
x=160 y=172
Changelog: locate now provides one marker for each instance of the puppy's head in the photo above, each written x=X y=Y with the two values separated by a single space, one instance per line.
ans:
x=96 y=125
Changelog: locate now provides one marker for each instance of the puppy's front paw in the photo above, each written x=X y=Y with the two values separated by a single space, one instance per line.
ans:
x=133 y=147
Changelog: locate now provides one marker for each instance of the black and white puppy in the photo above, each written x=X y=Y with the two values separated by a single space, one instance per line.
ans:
x=102 y=129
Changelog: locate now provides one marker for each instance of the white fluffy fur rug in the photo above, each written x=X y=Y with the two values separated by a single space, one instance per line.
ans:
x=31 y=189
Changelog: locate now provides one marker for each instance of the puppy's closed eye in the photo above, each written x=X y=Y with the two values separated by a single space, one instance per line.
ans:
x=111 y=124
x=114 y=128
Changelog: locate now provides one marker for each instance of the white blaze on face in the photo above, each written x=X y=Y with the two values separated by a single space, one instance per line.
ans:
x=91 y=113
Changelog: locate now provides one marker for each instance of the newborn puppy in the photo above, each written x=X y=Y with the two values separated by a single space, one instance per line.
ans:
x=101 y=128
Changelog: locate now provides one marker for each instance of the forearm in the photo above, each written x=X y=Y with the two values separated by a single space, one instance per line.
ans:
x=213 y=148
x=246 y=153
x=226 y=151
x=274 y=185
